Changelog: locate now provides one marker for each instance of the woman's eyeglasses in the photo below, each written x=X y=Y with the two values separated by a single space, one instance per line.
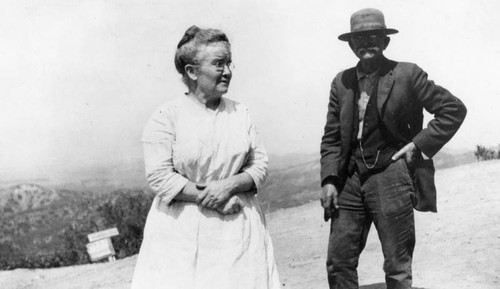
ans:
x=219 y=66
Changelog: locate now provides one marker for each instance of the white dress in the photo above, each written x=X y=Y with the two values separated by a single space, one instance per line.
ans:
x=187 y=246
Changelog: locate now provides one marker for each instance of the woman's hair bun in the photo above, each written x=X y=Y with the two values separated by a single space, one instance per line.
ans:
x=188 y=35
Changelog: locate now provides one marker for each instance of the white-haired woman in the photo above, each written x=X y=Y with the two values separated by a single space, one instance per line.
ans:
x=205 y=162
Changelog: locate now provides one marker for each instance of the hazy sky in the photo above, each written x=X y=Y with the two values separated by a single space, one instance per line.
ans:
x=80 y=78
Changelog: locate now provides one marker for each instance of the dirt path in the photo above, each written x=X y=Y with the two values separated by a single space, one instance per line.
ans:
x=457 y=248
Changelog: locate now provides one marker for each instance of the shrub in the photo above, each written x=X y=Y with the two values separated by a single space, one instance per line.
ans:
x=127 y=210
x=483 y=154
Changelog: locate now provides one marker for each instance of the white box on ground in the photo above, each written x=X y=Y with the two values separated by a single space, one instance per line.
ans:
x=100 y=249
x=100 y=245
x=103 y=234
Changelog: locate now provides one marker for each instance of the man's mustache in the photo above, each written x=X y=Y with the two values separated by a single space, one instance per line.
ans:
x=368 y=49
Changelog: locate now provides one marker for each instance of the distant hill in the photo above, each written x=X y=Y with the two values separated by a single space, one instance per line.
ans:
x=34 y=218
x=25 y=197
x=456 y=248
x=448 y=159
x=294 y=179
x=46 y=228
x=291 y=182
x=39 y=220
x=104 y=178
x=127 y=174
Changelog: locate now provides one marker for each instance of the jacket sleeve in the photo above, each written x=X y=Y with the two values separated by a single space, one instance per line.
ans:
x=331 y=141
x=449 y=113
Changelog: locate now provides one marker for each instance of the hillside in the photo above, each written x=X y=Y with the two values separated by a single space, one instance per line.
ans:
x=456 y=248
x=289 y=175
x=45 y=226
x=294 y=179
x=48 y=228
x=25 y=197
x=291 y=186
x=34 y=219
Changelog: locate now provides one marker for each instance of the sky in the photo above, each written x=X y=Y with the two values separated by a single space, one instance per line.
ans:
x=79 y=79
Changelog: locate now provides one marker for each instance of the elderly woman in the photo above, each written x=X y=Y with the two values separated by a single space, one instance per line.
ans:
x=205 y=161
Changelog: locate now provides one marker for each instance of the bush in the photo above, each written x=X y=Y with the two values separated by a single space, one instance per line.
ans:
x=125 y=209
x=75 y=240
x=483 y=154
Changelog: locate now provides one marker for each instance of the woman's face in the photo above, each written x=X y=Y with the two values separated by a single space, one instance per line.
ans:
x=213 y=71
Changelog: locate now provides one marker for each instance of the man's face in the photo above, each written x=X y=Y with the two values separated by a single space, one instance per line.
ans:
x=369 y=46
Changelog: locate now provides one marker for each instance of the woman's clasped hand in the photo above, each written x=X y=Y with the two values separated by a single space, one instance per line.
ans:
x=219 y=196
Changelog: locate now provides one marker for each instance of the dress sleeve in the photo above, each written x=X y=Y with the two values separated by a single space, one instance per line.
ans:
x=257 y=160
x=158 y=138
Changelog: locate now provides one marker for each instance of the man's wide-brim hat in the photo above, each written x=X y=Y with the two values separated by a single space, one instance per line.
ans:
x=367 y=20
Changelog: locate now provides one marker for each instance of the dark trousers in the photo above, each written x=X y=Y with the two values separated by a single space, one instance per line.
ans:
x=383 y=198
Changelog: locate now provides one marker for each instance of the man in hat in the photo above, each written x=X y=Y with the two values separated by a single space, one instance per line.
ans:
x=375 y=164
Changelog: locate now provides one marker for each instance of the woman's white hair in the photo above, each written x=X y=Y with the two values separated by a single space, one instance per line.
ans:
x=188 y=48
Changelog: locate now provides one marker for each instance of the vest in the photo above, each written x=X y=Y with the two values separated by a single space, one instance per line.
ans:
x=374 y=151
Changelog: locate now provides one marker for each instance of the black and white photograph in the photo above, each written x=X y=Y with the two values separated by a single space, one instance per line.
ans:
x=217 y=144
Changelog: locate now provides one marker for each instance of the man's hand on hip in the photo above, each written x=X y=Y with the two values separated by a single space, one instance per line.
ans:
x=329 y=200
x=409 y=152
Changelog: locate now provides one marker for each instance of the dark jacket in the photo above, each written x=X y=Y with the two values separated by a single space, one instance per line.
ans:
x=403 y=92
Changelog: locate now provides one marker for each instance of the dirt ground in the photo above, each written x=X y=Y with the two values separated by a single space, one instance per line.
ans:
x=457 y=248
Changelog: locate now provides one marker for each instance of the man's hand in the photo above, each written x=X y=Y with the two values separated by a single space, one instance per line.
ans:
x=329 y=200
x=215 y=194
x=232 y=206
x=409 y=152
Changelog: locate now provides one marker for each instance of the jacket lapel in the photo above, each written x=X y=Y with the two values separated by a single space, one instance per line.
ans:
x=349 y=116
x=385 y=84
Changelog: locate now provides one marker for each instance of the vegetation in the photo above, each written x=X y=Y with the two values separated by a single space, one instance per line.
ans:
x=484 y=154
x=42 y=228
x=127 y=211
x=56 y=235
